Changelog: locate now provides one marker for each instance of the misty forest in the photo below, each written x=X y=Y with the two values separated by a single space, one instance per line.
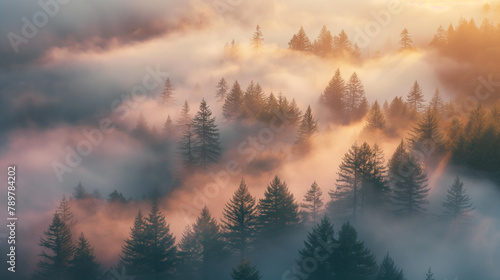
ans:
x=270 y=151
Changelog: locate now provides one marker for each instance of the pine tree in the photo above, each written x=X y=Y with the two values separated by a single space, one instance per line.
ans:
x=476 y=124
x=293 y=113
x=278 y=210
x=376 y=119
x=184 y=117
x=415 y=98
x=206 y=145
x=405 y=41
x=313 y=202
x=437 y=104
x=352 y=260
x=233 y=103
x=355 y=104
x=353 y=175
x=389 y=271
x=240 y=220
x=160 y=249
x=333 y=95
x=79 y=192
x=342 y=45
x=186 y=142
x=167 y=95
x=191 y=255
x=425 y=136
x=209 y=237
x=58 y=251
x=439 y=39
x=300 y=41
x=397 y=159
x=457 y=203
x=270 y=109
x=84 y=265
x=253 y=101
x=116 y=197
x=257 y=38
x=323 y=46
x=319 y=245
x=169 y=127
x=429 y=275
x=378 y=192
x=397 y=112
x=409 y=182
x=134 y=252
x=307 y=129
x=221 y=91
x=65 y=213
x=245 y=271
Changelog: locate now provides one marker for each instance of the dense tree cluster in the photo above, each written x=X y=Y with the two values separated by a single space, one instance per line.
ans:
x=208 y=248
x=326 y=45
x=346 y=101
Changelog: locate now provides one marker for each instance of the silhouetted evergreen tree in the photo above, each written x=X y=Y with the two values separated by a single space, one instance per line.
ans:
x=191 y=256
x=278 y=210
x=270 y=110
x=355 y=103
x=307 y=129
x=134 y=251
x=161 y=253
x=253 y=101
x=352 y=260
x=221 y=91
x=65 y=213
x=457 y=203
x=169 y=128
x=115 y=196
x=58 y=249
x=398 y=112
x=376 y=119
x=186 y=142
x=405 y=41
x=257 y=39
x=341 y=45
x=426 y=136
x=167 y=95
x=206 y=144
x=240 y=220
x=245 y=271
x=353 y=176
x=79 y=192
x=409 y=182
x=319 y=245
x=293 y=113
x=84 y=265
x=300 y=41
x=209 y=239
x=437 y=104
x=439 y=38
x=389 y=271
x=323 y=45
x=233 y=103
x=334 y=95
x=313 y=202
x=377 y=192
x=415 y=98
x=429 y=275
